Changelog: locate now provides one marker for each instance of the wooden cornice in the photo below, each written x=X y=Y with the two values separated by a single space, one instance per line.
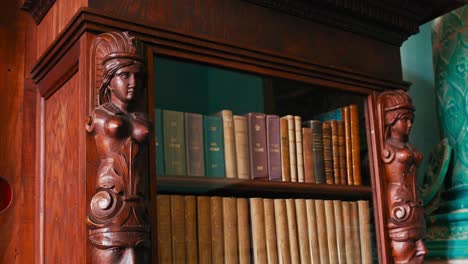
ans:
x=37 y=8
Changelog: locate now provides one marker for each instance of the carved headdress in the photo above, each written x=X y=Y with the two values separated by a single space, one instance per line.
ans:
x=393 y=104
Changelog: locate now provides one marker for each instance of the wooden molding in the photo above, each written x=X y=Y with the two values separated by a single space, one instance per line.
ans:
x=37 y=8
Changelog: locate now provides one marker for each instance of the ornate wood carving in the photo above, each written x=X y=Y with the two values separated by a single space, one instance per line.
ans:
x=37 y=8
x=119 y=228
x=406 y=225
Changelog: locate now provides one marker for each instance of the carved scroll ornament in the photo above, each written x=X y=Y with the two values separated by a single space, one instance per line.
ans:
x=119 y=229
x=406 y=225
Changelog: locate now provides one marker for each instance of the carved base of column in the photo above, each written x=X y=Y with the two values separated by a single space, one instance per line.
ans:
x=447 y=236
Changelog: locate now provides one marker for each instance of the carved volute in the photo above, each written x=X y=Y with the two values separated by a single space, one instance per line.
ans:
x=406 y=225
x=119 y=228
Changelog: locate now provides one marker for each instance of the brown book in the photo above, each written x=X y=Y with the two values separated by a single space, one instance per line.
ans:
x=282 y=233
x=309 y=173
x=285 y=163
x=342 y=152
x=204 y=229
x=270 y=231
x=292 y=231
x=217 y=231
x=257 y=146
x=317 y=149
x=302 y=231
x=364 y=232
x=191 y=255
x=230 y=163
x=312 y=228
x=178 y=228
x=194 y=144
x=335 y=151
x=230 y=230
x=257 y=218
x=163 y=204
x=299 y=151
x=355 y=229
x=331 y=231
x=355 y=144
x=322 y=231
x=327 y=153
x=347 y=229
x=273 y=147
x=349 y=157
x=243 y=229
x=292 y=148
x=340 y=242
x=242 y=146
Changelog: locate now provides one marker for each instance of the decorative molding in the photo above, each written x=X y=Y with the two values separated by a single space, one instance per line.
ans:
x=37 y=8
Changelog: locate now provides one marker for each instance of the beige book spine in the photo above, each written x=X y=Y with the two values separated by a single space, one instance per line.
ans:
x=282 y=233
x=163 y=209
x=217 y=230
x=292 y=231
x=242 y=147
x=364 y=232
x=292 y=148
x=204 y=229
x=243 y=229
x=299 y=150
x=312 y=228
x=355 y=144
x=178 y=228
x=355 y=229
x=340 y=242
x=302 y=231
x=270 y=231
x=285 y=163
x=230 y=157
x=348 y=145
x=230 y=230
x=257 y=218
x=331 y=231
x=350 y=254
x=322 y=231
x=191 y=255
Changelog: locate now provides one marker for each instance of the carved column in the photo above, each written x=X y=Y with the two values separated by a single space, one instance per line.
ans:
x=405 y=222
x=119 y=228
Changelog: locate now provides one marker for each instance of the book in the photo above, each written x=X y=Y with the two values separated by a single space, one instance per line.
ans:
x=194 y=144
x=163 y=209
x=364 y=232
x=348 y=233
x=317 y=149
x=242 y=146
x=355 y=229
x=230 y=230
x=335 y=114
x=331 y=231
x=303 y=231
x=312 y=228
x=230 y=157
x=243 y=229
x=217 y=230
x=292 y=231
x=204 y=229
x=342 y=152
x=322 y=231
x=349 y=157
x=159 y=141
x=355 y=144
x=174 y=142
x=282 y=232
x=257 y=146
x=292 y=147
x=285 y=163
x=191 y=255
x=214 y=148
x=178 y=228
x=270 y=231
x=299 y=151
x=273 y=147
x=309 y=172
x=335 y=151
x=327 y=153
x=340 y=236
x=257 y=218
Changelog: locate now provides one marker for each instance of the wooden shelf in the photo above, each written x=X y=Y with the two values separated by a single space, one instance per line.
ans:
x=257 y=188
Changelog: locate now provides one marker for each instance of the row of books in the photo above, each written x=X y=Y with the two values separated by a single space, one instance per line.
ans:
x=259 y=146
x=202 y=229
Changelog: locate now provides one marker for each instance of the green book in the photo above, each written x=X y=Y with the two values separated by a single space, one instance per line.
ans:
x=159 y=142
x=174 y=142
x=214 y=147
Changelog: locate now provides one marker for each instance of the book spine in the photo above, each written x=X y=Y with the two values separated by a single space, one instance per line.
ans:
x=364 y=232
x=309 y=172
x=299 y=151
x=327 y=153
x=230 y=230
x=322 y=231
x=229 y=143
x=242 y=147
x=285 y=163
x=257 y=146
x=282 y=233
x=191 y=255
x=292 y=231
x=214 y=149
x=159 y=141
x=273 y=147
x=340 y=242
x=174 y=142
x=335 y=151
x=355 y=229
x=355 y=144
x=331 y=231
x=217 y=230
x=317 y=149
x=204 y=229
x=163 y=204
x=292 y=148
x=342 y=152
x=349 y=156
x=303 y=231
x=270 y=231
x=347 y=226
x=313 y=234
x=194 y=144
x=178 y=228
x=257 y=219
x=243 y=229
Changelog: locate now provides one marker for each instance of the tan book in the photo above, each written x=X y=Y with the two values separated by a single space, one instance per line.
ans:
x=331 y=231
x=347 y=229
x=229 y=143
x=348 y=150
x=299 y=151
x=178 y=228
x=340 y=242
x=243 y=229
x=292 y=147
x=302 y=231
x=292 y=231
x=282 y=232
x=335 y=151
x=270 y=231
x=313 y=234
x=309 y=171
x=327 y=153
x=217 y=231
x=342 y=152
x=230 y=230
x=257 y=218
x=204 y=229
x=355 y=144
x=355 y=230
x=163 y=204
x=191 y=255
x=242 y=146
x=322 y=231
x=364 y=232
x=285 y=162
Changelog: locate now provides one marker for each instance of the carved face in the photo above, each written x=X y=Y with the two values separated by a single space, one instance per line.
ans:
x=411 y=251
x=126 y=83
x=121 y=247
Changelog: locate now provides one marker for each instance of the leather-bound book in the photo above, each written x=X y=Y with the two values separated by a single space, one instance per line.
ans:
x=174 y=142
x=312 y=228
x=342 y=152
x=317 y=149
x=273 y=147
x=285 y=163
x=214 y=147
x=178 y=228
x=340 y=237
x=230 y=230
x=257 y=146
x=217 y=230
x=355 y=144
x=299 y=151
x=163 y=204
x=243 y=229
x=335 y=151
x=347 y=229
x=159 y=142
x=364 y=232
x=302 y=231
x=191 y=255
x=257 y=218
x=355 y=229
x=230 y=165
x=331 y=231
x=204 y=229
x=282 y=232
x=292 y=231
x=194 y=144
x=292 y=147
x=309 y=173
x=322 y=231
x=242 y=146
x=349 y=157
x=327 y=153
x=270 y=231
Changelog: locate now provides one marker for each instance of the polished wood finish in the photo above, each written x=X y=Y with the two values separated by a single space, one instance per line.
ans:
x=37 y=8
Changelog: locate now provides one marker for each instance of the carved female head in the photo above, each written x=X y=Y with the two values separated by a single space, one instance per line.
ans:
x=398 y=114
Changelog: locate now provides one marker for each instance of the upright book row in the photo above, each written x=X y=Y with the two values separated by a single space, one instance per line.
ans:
x=202 y=229
x=259 y=146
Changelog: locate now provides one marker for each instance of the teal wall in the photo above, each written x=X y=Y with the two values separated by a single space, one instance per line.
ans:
x=416 y=60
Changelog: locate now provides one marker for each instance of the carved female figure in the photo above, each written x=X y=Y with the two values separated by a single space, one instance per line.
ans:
x=118 y=223
x=406 y=224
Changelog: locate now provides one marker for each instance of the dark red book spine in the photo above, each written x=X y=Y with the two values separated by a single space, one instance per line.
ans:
x=273 y=147
x=257 y=146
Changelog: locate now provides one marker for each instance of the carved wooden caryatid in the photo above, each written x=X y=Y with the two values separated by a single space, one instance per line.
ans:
x=119 y=228
x=406 y=225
